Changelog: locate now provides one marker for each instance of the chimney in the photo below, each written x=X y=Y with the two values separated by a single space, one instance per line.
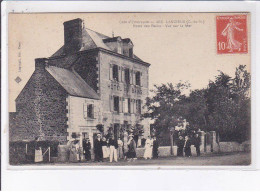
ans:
x=41 y=63
x=73 y=35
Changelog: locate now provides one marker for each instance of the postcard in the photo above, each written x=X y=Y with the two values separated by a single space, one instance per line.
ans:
x=129 y=89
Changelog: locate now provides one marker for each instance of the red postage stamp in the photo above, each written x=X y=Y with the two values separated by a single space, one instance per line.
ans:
x=231 y=34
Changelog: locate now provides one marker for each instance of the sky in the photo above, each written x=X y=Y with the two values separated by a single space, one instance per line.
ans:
x=179 y=46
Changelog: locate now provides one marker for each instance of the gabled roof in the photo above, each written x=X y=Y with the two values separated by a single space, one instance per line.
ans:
x=92 y=40
x=72 y=82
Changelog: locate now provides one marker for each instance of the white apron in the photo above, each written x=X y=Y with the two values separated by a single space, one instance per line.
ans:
x=105 y=151
x=38 y=156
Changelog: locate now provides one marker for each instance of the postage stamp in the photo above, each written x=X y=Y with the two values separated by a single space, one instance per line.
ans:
x=231 y=34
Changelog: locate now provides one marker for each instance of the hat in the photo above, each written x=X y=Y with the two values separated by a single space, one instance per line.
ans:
x=98 y=134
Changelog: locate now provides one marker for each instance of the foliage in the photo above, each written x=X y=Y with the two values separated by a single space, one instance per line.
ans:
x=223 y=106
x=100 y=127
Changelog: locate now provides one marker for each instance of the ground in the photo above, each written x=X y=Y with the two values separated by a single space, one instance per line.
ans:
x=221 y=159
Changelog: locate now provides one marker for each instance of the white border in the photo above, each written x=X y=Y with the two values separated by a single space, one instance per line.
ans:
x=132 y=6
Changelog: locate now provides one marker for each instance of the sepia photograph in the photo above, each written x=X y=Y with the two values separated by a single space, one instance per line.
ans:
x=129 y=89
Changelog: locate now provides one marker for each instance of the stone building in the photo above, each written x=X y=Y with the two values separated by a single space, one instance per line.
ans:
x=91 y=80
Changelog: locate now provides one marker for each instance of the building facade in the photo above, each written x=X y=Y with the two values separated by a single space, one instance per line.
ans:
x=91 y=80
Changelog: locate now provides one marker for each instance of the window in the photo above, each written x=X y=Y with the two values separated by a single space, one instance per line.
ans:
x=138 y=106
x=116 y=103
x=138 y=78
x=129 y=105
x=131 y=52
x=88 y=111
x=91 y=111
x=127 y=76
x=115 y=72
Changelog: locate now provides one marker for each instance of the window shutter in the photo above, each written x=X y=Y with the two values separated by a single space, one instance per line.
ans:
x=141 y=79
x=134 y=107
x=131 y=106
x=111 y=103
x=120 y=104
x=134 y=81
x=119 y=74
x=131 y=76
x=123 y=105
x=123 y=75
x=111 y=72
x=85 y=111
x=94 y=111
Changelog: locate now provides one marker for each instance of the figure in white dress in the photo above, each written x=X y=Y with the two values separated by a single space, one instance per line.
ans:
x=148 y=153
x=105 y=148
x=229 y=32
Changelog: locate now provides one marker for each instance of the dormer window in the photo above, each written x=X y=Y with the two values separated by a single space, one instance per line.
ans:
x=131 y=52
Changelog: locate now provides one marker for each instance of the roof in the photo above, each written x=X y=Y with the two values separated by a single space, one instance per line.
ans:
x=92 y=40
x=112 y=39
x=72 y=82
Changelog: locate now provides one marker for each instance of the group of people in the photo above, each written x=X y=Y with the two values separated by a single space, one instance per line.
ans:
x=115 y=149
x=184 y=145
x=112 y=149
x=106 y=148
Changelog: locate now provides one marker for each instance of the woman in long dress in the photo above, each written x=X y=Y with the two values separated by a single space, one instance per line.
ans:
x=120 y=149
x=74 y=151
x=38 y=151
x=148 y=153
x=131 y=154
x=105 y=149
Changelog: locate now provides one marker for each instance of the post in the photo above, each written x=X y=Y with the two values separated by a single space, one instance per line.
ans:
x=171 y=138
x=49 y=154
x=26 y=148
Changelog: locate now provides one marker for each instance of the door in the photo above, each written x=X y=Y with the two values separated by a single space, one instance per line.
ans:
x=116 y=130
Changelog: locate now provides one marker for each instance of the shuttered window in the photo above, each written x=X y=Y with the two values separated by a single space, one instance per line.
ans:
x=88 y=111
x=115 y=73
x=138 y=78
x=127 y=76
x=138 y=106
x=116 y=104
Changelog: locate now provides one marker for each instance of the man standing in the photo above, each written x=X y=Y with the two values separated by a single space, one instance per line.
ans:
x=180 y=146
x=187 y=145
x=197 y=144
x=98 y=149
x=113 y=148
x=155 y=147
x=86 y=149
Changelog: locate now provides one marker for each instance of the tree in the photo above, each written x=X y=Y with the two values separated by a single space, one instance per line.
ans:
x=228 y=103
x=223 y=106
x=164 y=108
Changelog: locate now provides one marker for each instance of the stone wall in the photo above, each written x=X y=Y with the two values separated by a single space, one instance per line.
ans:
x=87 y=67
x=40 y=108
